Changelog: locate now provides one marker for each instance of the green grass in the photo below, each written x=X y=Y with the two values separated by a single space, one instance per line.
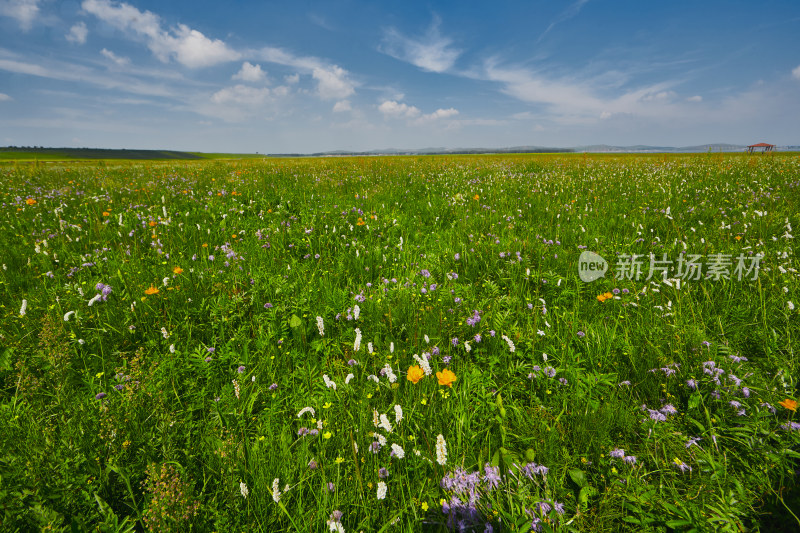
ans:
x=153 y=407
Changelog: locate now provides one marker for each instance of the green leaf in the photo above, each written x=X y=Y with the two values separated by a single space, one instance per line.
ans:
x=295 y=322
x=578 y=477
x=694 y=400
x=586 y=493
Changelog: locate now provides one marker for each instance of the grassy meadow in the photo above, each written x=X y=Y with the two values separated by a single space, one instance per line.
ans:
x=400 y=344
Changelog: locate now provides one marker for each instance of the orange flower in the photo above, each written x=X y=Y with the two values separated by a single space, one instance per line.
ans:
x=30 y=201
x=177 y=270
x=446 y=377
x=789 y=404
x=106 y=213
x=153 y=223
x=152 y=290
x=415 y=373
x=360 y=222
x=738 y=237
x=601 y=298
x=476 y=197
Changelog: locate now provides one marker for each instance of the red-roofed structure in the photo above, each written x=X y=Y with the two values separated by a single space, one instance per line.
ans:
x=763 y=146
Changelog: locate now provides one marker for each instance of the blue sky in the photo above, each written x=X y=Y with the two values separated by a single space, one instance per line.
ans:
x=263 y=76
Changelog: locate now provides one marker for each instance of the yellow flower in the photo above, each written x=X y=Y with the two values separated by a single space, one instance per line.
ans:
x=30 y=201
x=415 y=373
x=424 y=505
x=339 y=460
x=789 y=404
x=446 y=377
x=152 y=290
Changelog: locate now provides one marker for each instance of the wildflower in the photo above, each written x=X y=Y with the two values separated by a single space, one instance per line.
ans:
x=357 y=343
x=491 y=476
x=446 y=377
x=617 y=453
x=268 y=305
x=30 y=201
x=415 y=373
x=381 y=490
x=423 y=363
x=630 y=459
x=581 y=334
x=389 y=373
x=328 y=382
x=100 y=396
x=240 y=370
x=385 y=424
x=788 y=403
x=151 y=291
x=236 y=388
x=680 y=465
x=305 y=410
x=511 y=347
x=276 y=492
x=335 y=522
x=67 y=315
x=177 y=270
x=356 y=312
x=398 y=414
x=383 y=473
x=24 y=308
x=243 y=489
x=441 y=450
x=164 y=333
x=454 y=341
x=397 y=451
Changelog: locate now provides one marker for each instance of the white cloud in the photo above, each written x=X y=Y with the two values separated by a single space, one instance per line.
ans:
x=392 y=109
x=431 y=52
x=5 y=98
x=695 y=98
x=25 y=11
x=342 y=106
x=189 y=47
x=121 y=61
x=293 y=79
x=250 y=72
x=241 y=94
x=333 y=82
x=796 y=72
x=77 y=34
x=440 y=113
x=658 y=96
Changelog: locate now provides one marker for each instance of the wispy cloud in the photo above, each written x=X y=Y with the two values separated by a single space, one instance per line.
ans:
x=570 y=12
x=5 y=98
x=25 y=11
x=187 y=46
x=119 y=61
x=432 y=52
x=796 y=72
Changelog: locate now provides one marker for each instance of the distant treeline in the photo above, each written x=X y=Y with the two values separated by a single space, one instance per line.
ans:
x=434 y=152
x=97 y=153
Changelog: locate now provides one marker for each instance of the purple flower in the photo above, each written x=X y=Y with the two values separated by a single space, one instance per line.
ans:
x=273 y=386
x=692 y=384
x=630 y=459
x=331 y=487
x=383 y=473
x=669 y=409
x=268 y=305
x=477 y=337
x=693 y=442
x=100 y=396
x=211 y=349
x=435 y=350
x=492 y=332
x=312 y=464
x=457 y=257
x=491 y=476
x=617 y=453
x=352 y=362
x=581 y=334
x=241 y=369
x=208 y=359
